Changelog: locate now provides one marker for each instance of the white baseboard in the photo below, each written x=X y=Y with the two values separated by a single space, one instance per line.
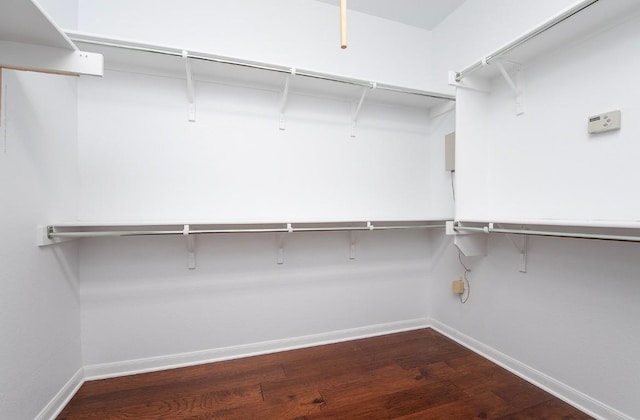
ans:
x=151 y=364
x=566 y=393
x=62 y=398
x=572 y=396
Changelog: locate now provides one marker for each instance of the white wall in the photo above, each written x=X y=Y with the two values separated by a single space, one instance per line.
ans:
x=140 y=301
x=310 y=171
x=544 y=164
x=140 y=159
x=40 y=348
x=567 y=322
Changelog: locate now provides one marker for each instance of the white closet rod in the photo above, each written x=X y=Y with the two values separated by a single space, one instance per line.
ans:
x=262 y=66
x=577 y=235
x=52 y=233
x=525 y=38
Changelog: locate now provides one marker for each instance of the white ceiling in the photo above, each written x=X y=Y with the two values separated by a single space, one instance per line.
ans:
x=425 y=14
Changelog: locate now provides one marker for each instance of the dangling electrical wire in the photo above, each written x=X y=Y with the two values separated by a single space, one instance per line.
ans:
x=466 y=280
x=453 y=184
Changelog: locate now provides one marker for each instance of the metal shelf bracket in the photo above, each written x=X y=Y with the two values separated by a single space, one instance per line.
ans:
x=280 y=252
x=191 y=248
x=191 y=97
x=283 y=99
x=352 y=247
x=522 y=248
x=358 y=107
x=515 y=83
x=281 y=240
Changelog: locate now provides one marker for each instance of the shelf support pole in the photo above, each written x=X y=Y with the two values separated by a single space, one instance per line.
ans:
x=356 y=112
x=515 y=85
x=191 y=107
x=283 y=99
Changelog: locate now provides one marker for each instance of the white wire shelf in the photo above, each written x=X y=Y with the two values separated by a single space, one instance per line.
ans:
x=583 y=18
x=124 y=55
x=623 y=231
x=75 y=230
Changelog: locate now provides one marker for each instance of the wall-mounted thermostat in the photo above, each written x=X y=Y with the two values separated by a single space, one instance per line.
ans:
x=604 y=122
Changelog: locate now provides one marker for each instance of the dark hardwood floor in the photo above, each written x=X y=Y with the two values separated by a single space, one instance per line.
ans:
x=414 y=375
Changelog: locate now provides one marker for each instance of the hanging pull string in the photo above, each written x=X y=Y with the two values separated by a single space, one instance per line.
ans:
x=466 y=279
x=343 y=24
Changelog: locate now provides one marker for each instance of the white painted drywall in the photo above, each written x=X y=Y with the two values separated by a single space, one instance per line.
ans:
x=140 y=159
x=544 y=164
x=570 y=317
x=140 y=301
x=40 y=349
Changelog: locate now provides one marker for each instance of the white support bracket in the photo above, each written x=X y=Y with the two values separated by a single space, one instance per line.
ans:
x=281 y=237
x=283 y=99
x=515 y=83
x=352 y=246
x=469 y=243
x=358 y=107
x=523 y=254
x=280 y=252
x=522 y=248
x=280 y=257
x=191 y=248
x=191 y=97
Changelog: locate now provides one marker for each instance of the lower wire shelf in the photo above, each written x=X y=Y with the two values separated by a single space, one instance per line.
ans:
x=50 y=234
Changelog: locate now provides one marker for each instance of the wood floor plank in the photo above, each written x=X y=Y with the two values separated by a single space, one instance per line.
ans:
x=166 y=404
x=549 y=410
x=391 y=405
x=486 y=406
x=413 y=375
x=296 y=406
x=522 y=394
x=376 y=384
